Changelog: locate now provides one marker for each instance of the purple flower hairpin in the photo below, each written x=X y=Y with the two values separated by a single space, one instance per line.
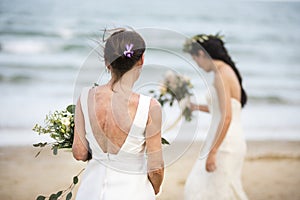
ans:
x=128 y=52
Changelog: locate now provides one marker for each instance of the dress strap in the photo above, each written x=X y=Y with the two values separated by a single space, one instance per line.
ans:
x=142 y=113
x=135 y=140
x=93 y=144
x=141 y=117
x=84 y=106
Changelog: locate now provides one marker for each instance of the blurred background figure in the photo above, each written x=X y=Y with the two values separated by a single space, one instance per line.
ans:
x=217 y=173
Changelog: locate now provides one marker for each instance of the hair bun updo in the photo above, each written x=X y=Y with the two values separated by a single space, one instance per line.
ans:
x=122 y=50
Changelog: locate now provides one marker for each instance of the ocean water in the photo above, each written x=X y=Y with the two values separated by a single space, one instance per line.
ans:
x=45 y=56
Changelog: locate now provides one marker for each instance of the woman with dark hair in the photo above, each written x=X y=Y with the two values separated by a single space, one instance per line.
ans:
x=218 y=175
x=120 y=129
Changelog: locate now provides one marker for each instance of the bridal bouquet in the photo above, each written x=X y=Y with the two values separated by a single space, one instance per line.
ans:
x=176 y=87
x=60 y=127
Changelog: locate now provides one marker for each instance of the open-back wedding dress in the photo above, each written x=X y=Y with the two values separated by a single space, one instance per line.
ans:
x=122 y=175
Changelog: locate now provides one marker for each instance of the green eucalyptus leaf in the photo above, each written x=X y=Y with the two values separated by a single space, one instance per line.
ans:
x=164 y=141
x=75 y=180
x=40 y=197
x=55 y=150
x=58 y=194
x=53 y=197
x=69 y=196
x=71 y=109
x=36 y=145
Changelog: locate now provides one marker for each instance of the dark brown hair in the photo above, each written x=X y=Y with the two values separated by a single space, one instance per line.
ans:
x=215 y=47
x=114 y=48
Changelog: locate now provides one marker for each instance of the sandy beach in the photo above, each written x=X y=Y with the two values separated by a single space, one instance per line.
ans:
x=271 y=171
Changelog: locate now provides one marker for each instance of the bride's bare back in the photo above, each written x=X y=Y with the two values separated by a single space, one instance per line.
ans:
x=111 y=114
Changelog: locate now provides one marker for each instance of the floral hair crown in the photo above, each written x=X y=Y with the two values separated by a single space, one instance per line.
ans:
x=187 y=47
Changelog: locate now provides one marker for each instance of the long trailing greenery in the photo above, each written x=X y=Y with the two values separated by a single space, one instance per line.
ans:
x=60 y=194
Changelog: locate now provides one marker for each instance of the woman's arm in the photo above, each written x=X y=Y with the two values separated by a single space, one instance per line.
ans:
x=203 y=108
x=153 y=145
x=80 y=144
x=223 y=93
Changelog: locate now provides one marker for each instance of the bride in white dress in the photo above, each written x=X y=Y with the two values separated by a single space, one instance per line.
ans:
x=119 y=131
x=216 y=175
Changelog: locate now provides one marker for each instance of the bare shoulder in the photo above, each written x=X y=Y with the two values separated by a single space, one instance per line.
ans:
x=135 y=97
x=225 y=74
x=226 y=70
x=154 y=110
x=222 y=78
x=154 y=115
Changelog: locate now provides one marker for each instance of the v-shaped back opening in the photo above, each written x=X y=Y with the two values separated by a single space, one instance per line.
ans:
x=101 y=130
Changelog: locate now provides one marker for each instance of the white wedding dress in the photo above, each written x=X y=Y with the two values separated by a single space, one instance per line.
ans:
x=122 y=175
x=225 y=182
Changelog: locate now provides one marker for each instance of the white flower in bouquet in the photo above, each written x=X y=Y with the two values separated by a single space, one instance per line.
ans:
x=171 y=80
x=170 y=76
x=65 y=121
x=186 y=79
